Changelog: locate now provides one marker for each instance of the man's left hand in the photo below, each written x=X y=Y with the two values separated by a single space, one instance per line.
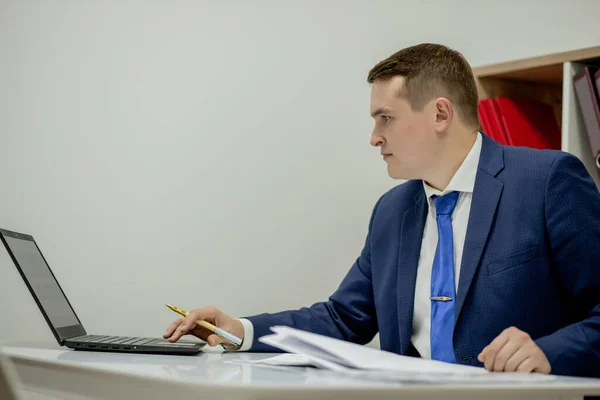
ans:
x=514 y=351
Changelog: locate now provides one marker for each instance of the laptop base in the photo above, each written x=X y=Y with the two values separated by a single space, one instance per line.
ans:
x=125 y=344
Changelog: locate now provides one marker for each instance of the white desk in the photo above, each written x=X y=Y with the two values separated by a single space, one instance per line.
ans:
x=52 y=372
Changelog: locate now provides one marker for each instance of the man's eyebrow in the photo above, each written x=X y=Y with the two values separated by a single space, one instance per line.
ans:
x=379 y=111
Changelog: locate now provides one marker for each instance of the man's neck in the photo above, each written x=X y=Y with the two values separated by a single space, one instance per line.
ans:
x=451 y=158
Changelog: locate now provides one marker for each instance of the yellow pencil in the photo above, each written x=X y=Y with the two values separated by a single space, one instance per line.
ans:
x=218 y=331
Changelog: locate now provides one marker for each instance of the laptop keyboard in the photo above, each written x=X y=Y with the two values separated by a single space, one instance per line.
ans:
x=114 y=339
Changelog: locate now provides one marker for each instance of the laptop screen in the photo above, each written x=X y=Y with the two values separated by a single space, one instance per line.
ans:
x=43 y=285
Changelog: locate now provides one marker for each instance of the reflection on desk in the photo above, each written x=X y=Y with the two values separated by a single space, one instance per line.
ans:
x=210 y=367
x=225 y=373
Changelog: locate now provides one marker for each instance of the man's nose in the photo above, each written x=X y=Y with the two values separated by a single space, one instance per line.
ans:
x=376 y=140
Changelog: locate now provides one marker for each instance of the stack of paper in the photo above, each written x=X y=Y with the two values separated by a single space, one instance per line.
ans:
x=342 y=356
x=360 y=361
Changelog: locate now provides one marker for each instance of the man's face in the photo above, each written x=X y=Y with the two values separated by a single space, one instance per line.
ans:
x=407 y=138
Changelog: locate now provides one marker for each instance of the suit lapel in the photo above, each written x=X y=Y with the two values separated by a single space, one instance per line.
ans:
x=411 y=235
x=486 y=195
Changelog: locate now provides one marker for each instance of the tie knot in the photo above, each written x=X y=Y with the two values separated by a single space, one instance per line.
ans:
x=444 y=205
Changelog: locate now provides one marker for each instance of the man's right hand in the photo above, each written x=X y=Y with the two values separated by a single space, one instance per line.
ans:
x=187 y=325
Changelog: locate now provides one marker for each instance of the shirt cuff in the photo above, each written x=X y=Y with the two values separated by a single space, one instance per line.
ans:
x=248 y=334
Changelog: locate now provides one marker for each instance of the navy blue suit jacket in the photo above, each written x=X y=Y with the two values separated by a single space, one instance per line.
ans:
x=531 y=260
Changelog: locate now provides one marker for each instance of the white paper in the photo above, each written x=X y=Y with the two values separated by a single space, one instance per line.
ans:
x=340 y=355
x=358 y=361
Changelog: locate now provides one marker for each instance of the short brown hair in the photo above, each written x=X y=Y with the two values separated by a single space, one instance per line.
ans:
x=432 y=70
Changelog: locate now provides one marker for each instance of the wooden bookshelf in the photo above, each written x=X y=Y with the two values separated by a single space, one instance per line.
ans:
x=546 y=78
x=538 y=69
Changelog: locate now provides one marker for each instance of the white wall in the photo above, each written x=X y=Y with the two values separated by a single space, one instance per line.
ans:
x=208 y=152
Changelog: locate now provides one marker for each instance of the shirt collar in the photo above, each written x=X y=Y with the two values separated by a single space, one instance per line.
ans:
x=464 y=178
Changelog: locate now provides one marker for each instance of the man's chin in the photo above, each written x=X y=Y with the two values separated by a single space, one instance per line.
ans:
x=395 y=174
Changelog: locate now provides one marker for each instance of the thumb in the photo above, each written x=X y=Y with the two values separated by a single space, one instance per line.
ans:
x=214 y=340
x=481 y=355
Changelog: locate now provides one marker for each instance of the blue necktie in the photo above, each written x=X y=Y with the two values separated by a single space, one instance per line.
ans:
x=443 y=293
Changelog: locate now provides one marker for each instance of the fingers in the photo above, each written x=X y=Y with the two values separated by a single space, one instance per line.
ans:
x=527 y=366
x=488 y=355
x=180 y=331
x=184 y=326
x=172 y=328
x=514 y=350
x=208 y=314
x=515 y=361
x=506 y=352
x=214 y=340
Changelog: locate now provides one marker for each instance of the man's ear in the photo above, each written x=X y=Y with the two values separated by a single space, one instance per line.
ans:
x=444 y=113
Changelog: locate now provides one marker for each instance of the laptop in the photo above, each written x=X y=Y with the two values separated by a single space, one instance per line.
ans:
x=59 y=313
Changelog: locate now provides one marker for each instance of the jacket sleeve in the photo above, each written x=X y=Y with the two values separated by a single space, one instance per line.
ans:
x=349 y=314
x=572 y=208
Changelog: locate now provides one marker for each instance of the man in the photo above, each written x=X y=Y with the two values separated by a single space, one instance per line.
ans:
x=489 y=255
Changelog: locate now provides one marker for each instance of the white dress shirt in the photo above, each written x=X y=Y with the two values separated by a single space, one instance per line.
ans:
x=463 y=181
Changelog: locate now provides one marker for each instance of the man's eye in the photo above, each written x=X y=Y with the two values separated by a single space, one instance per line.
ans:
x=385 y=118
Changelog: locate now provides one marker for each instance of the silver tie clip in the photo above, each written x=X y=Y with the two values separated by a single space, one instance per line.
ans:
x=440 y=298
